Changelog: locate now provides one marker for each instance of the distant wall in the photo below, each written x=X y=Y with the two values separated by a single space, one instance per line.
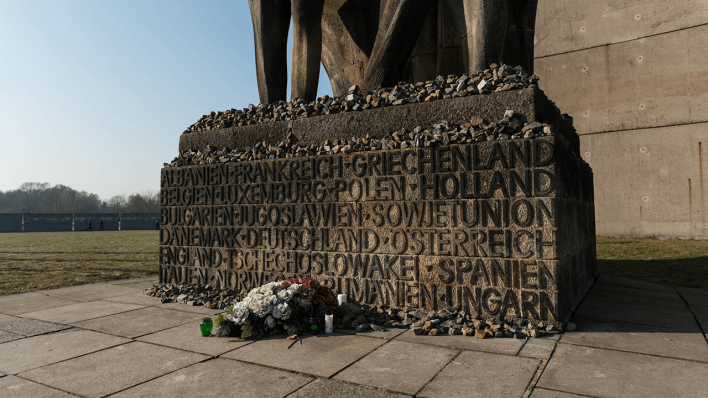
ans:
x=11 y=222
x=47 y=222
x=138 y=221
x=110 y=221
x=634 y=76
x=77 y=222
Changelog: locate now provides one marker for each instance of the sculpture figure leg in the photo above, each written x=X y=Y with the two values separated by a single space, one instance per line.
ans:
x=271 y=22
x=307 y=48
x=486 y=22
x=399 y=27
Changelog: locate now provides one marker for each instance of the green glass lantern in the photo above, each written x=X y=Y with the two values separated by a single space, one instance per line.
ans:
x=206 y=326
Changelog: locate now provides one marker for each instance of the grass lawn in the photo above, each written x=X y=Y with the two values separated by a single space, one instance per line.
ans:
x=45 y=260
x=667 y=261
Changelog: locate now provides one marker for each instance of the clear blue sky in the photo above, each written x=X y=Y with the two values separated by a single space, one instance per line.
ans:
x=95 y=94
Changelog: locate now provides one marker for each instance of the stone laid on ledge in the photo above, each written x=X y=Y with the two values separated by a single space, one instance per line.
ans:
x=530 y=104
x=439 y=134
x=494 y=79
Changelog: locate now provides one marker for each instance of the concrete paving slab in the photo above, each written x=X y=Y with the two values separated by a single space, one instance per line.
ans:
x=499 y=346
x=91 y=292
x=327 y=388
x=140 y=322
x=486 y=375
x=606 y=373
x=33 y=352
x=320 y=355
x=220 y=377
x=197 y=309
x=135 y=298
x=642 y=339
x=399 y=366
x=618 y=281
x=29 y=302
x=388 y=334
x=15 y=387
x=82 y=311
x=659 y=315
x=5 y=336
x=615 y=289
x=544 y=393
x=539 y=348
x=609 y=295
x=114 y=369
x=694 y=296
x=189 y=337
x=28 y=327
x=701 y=314
x=152 y=280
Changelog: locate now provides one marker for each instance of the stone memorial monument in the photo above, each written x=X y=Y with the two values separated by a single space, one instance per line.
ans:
x=464 y=193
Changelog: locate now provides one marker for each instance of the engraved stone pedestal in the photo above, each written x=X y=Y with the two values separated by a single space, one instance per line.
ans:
x=497 y=228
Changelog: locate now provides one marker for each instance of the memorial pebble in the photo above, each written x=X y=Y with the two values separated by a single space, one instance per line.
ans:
x=493 y=79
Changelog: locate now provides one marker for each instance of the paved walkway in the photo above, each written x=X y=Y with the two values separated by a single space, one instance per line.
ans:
x=633 y=340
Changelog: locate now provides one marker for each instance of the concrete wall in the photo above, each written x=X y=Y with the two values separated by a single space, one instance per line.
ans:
x=110 y=221
x=634 y=76
x=11 y=222
x=138 y=221
x=48 y=222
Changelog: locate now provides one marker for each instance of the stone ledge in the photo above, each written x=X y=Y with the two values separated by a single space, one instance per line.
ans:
x=531 y=103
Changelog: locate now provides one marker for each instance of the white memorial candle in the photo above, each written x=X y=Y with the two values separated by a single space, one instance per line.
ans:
x=329 y=323
x=341 y=299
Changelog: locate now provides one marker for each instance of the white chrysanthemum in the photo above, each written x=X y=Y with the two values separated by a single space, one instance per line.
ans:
x=270 y=322
x=295 y=287
x=285 y=295
x=282 y=311
x=239 y=314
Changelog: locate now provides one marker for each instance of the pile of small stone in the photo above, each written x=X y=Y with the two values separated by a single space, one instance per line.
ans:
x=477 y=129
x=207 y=296
x=495 y=78
x=362 y=317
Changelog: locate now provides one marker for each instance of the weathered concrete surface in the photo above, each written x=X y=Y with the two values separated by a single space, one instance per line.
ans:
x=387 y=334
x=540 y=348
x=28 y=327
x=334 y=388
x=543 y=393
x=595 y=23
x=112 y=370
x=606 y=373
x=315 y=130
x=601 y=289
x=651 y=181
x=496 y=346
x=136 y=323
x=6 y=336
x=484 y=374
x=245 y=379
x=29 y=302
x=96 y=291
x=694 y=296
x=415 y=366
x=12 y=386
x=643 y=339
x=615 y=281
x=189 y=337
x=644 y=89
x=320 y=355
x=33 y=352
x=701 y=314
x=81 y=312
x=639 y=310
x=650 y=82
